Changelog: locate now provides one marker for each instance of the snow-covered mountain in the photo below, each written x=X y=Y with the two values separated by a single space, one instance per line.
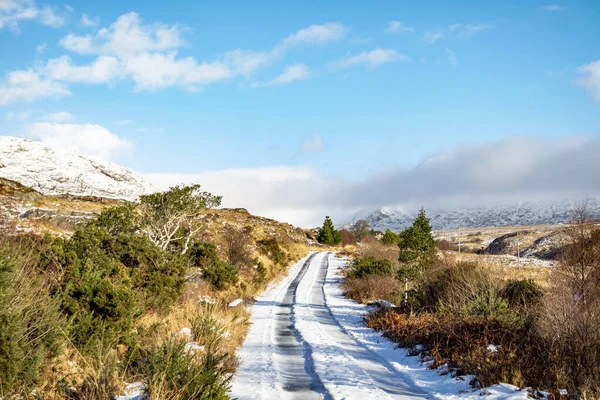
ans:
x=56 y=171
x=529 y=213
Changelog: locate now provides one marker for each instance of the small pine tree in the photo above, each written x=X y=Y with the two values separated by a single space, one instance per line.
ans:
x=389 y=238
x=417 y=250
x=328 y=234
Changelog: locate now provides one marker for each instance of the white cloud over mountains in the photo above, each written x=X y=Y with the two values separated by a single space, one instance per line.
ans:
x=147 y=54
x=508 y=170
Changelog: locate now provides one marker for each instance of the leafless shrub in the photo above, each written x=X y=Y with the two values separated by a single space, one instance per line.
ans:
x=236 y=245
x=572 y=309
x=348 y=238
x=379 y=251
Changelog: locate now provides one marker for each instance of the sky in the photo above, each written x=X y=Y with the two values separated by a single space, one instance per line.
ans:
x=295 y=110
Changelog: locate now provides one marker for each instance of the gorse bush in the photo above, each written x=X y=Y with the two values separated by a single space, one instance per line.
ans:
x=112 y=275
x=370 y=266
x=271 y=248
x=389 y=238
x=30 y=319
x=175 y=372
x=523 y=292
x=93 y=295
x=220 y=274
x=260 y=274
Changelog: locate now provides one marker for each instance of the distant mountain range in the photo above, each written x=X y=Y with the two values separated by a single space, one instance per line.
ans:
x=56 y=171
x=528 y=213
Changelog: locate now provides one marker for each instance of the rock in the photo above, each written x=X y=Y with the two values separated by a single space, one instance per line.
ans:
x=193 y=348
x=134 y=391
x=185 y=333
x=236 y=303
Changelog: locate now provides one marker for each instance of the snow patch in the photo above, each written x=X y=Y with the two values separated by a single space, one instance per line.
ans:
x=57 y=171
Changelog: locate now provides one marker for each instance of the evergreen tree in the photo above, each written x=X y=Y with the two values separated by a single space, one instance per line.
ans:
x=328 y=234
x=389 y=238
x=417 y=250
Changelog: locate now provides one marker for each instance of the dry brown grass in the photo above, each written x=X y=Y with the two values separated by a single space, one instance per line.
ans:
x=374 y=287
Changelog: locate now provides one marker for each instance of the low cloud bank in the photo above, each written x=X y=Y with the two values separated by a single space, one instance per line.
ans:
x=514 y=169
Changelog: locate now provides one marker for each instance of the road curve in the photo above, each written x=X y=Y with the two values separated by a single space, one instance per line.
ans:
x=296 y=349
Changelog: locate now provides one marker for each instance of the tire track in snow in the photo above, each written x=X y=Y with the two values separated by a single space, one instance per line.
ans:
x=348 y=369
x=296 y=369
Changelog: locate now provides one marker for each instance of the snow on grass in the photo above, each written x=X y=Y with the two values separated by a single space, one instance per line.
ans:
x=350 y=315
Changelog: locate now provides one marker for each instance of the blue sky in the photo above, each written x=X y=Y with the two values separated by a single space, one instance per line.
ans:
x=318 y=91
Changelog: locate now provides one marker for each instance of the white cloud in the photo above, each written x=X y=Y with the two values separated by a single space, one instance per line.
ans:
x=454 y=27
x=147 y=54
x=12 y=12
x=312 y=144
x=60 y=116
x=280 y=192
x=468 y=30
x=246 y=62
x=127 y=36
x=102 y=70
x=397 y=26
x=315 y=34
x=40 y=49
x=87 y=22
x=87 y=138
x=590 y=78
x=451 y=57
x=514 y=169
x=430 y=37
x=27 y=85
x=371 y=58
x=552 y=7
x=292 y=73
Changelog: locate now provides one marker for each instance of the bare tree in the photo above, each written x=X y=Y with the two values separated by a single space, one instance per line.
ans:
x=174 y=216
x=347 y=237
x=361 y=229
x=572 y=308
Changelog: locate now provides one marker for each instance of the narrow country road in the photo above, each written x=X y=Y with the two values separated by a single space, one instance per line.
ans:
x=297 y=349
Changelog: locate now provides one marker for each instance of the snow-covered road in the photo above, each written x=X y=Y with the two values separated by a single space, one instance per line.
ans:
x=307 y=341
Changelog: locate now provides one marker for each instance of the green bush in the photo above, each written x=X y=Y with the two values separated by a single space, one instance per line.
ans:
x=30 y=319
x=175 y=373
x=202 y=254
x=220 y=274
x=524 y=292
x=110 y=275
x=272 y=249
x=370 y=266
x=260 y=274
x=389 y=238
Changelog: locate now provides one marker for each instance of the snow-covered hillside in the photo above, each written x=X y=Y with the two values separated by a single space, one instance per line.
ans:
x=530 y=213
x=56 y=171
